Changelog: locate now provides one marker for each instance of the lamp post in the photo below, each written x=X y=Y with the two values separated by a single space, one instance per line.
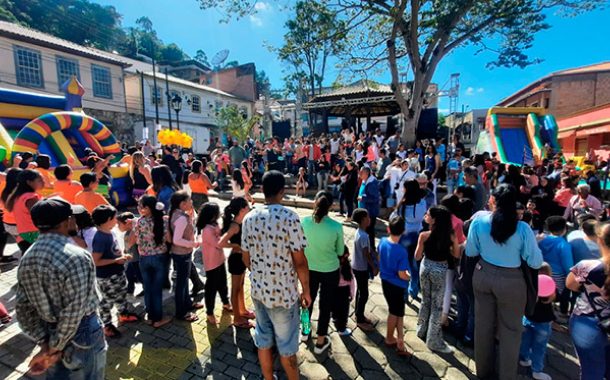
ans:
x=177 y=106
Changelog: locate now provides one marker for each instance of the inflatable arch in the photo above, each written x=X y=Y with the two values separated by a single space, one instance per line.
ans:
x=47 y=134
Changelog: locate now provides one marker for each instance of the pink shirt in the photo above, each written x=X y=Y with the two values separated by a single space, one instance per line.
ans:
x=458 y=228
x=213 y=255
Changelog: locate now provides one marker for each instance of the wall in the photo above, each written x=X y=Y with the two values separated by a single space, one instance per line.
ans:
x=8 y=76
x=239 y=81
x=572 y=93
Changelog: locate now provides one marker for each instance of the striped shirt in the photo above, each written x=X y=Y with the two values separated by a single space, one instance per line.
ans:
x=56 y=288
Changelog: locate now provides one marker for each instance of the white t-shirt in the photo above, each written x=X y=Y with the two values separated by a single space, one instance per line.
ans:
x=237 y=190
x=334 y=146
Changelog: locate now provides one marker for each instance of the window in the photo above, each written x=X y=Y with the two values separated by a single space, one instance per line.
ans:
x=546 y=102
x=102 y=82
x=28 y=65
x=156 y=96
x=195 y=103
x=65 y=69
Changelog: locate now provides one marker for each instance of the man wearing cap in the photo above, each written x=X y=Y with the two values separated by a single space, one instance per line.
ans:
x=57 y=298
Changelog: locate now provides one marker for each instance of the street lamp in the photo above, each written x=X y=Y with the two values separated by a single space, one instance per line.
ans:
x=177 y=106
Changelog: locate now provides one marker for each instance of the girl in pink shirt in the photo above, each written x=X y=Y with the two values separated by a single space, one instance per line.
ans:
x=213 y=259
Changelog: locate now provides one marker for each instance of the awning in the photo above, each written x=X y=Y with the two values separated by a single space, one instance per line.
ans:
x=593 y=131
x=566 y=134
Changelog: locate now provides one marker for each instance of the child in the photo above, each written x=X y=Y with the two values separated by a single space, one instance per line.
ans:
x=344 y=295
x=301 y=181
x=557 y=252
x=394 y=272
x=109 y=269
x=132 y=272
x=238 y=185
x=363 y=259
x=21 y=200
x=538 y=326
x=85 y=228
x=43 y=164
x=64 y=186
x=88 y=197
x=213 y=259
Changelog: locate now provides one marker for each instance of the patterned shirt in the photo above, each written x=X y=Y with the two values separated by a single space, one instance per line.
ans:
x=591 y=275
x=145 y=237
x=55 y=285
x=271 y=234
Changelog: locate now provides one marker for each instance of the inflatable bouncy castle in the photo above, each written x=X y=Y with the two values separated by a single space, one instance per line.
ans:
x=57 y=126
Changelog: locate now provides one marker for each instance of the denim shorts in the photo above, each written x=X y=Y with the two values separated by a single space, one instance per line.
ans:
x=277 y=326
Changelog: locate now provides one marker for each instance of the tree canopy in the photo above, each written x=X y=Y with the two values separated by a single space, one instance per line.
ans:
x=234 y=123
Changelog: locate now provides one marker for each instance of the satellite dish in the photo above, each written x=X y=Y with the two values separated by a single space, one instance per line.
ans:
x=220 y=58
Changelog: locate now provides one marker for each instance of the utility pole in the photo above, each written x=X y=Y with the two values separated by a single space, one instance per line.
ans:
x=169 y=100
x=156 y=91
x=144 y=127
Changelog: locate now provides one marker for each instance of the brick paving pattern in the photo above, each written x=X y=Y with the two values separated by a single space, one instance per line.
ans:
x=183 y=350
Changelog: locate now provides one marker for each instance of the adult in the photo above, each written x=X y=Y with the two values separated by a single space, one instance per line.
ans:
x=325 y=245
x=200 y=184
x=369 y=198
x=394 y=141
x=236 y=154
x=57 y=299
x=21 y=201
x=170 y=158
x=582 y=203
x=139 y=172
x=273 y=249
x=163 y=184
x=590 y=278
x=584 y=240
x=471 y=177
x=502 y=242
x=322 y=170
x=349 y=187
x=433 y=165
x=594 y=184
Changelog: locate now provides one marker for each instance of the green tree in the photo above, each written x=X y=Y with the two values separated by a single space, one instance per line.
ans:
x=172 y=53
x=263 y=85
x=235 y=123
x=421 y=33
x=201 y=57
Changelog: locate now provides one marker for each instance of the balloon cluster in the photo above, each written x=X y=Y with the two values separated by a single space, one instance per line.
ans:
x=175 y=137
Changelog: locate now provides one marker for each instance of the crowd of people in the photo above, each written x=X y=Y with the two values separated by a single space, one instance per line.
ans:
x=522 y=251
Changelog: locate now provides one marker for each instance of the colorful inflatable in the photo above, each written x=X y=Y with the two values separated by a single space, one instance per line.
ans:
x=57 y=127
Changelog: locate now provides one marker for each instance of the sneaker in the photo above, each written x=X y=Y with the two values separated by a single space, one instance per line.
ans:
x=127 y=318
x=305 y=338
x=541 y=376
x=346 y=332
x=444 y=350
x=525 y=363
x=318 y=350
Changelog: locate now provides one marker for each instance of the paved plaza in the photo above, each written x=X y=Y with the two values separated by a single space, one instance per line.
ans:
x=197 y=350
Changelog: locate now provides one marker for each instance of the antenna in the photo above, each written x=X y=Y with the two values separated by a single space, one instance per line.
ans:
x=220 y=58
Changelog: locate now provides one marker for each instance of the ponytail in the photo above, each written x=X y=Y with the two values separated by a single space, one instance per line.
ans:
x=156 y=210
x=231 y=211
x=323 y=202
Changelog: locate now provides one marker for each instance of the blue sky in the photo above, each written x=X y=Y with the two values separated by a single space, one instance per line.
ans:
x=570 y=42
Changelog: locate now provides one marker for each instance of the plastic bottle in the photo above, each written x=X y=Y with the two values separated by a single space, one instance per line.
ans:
x=305 y=323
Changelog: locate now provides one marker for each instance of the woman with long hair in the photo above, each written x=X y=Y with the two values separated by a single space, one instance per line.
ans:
x=10 y=224
x=435 y=248
x=412 y=208
x=182 y=233
x=591 y=278
x=213 y=260
x=163 y=184
x=433 y=165
x=325 y=246
x=233 y=215
x=20 y=201
x=139 y=172
x=150 y=235
x=200 y=184
x=246 y=174
x=502 y=243
x=237 y=184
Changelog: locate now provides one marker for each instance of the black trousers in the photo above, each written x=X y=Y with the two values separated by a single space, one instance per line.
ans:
x=371 y=231
x=216 y=282
x=362 y=293
x=327 y=283
x=341 y=307
x=195 y=279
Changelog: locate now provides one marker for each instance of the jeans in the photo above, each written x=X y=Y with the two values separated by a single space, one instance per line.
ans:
x=534 y=339
x=322 y=179
x=311 y=178
x=85 y=356
x=451 y=185
x=278 y=327
x=465 y=313
x=154 y=269
x=132 y=272
x=589 y=342
x=327 y=283
x=362 y=293
x=409 y=241
x=182 y=266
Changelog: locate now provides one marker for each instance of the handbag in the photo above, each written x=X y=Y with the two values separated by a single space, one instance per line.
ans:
x=531 y=282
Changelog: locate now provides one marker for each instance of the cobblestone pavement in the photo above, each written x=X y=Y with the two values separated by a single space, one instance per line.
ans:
x=193 y=351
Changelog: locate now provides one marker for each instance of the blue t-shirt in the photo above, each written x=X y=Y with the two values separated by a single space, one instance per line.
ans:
x=165 y=195
x=361 y=241
x=556 y=251
x=393 y=258
x=582 y=248
x=107 y=245
x=442 y=152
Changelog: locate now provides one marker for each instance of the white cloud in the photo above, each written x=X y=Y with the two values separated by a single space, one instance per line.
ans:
x=256 y=21
x=480 y=90
x=262 y=6
x=470 y=91
x=443 y=110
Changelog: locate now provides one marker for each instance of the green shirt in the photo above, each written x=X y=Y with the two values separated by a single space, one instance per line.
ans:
x=324 y=244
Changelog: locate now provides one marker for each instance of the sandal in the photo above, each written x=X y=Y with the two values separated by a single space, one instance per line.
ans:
x=390 y=345
x=249 y=315
x=403 y=352
x=6 y=319
x=197 y=305
x=190 y=317
x=243 y=325
x=212 y=320
x=228 y=308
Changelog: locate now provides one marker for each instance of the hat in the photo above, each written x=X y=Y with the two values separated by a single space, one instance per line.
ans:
x=546 y=286
x=50 y=212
